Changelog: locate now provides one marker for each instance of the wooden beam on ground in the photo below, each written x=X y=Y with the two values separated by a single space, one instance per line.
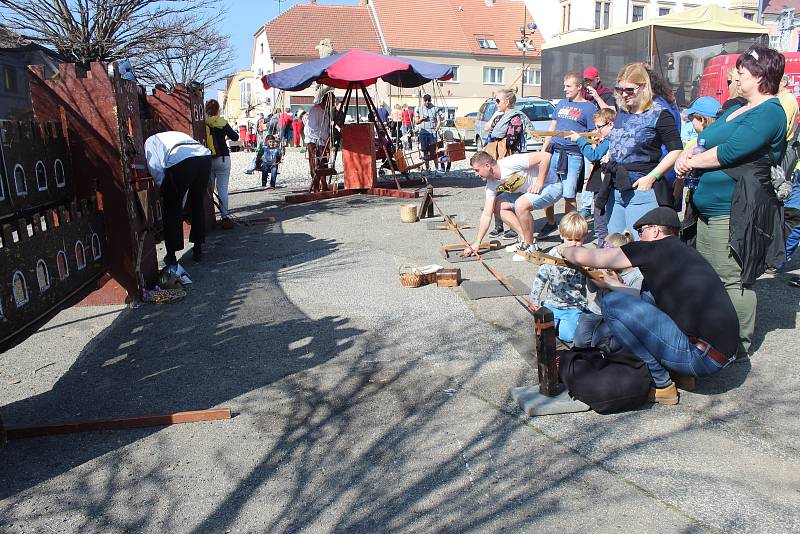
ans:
x=320 y=195
x=215 y=414
x=383 y=192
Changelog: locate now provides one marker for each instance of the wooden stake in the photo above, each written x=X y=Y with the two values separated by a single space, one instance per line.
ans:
x=546 y=352
x=119 y=424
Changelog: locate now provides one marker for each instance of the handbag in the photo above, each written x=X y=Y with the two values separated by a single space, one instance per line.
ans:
x=497 y=149
x=607 y=382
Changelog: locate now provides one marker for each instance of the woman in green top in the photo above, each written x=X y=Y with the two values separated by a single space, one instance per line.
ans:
x=734 y=198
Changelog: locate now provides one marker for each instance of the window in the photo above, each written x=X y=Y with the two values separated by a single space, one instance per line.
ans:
x=42 y=276
x=455 y=74
x=262 y=48
x=19 y=180
x=748 y=16
x=80 y=255
x=663 y=11
x=602 y=15
x=774 y=41
x=686 y=68
x=244 y=95
x=41 y=176
x=63 y=266
x=489 y=110
x=486 y=43
x=20 y=288
x=539 y=111
x=532 y=76
x=9 y=78
x=61 y=178
x=637 y=13
x=565 y=16
x=96 y=252
x=493 y=75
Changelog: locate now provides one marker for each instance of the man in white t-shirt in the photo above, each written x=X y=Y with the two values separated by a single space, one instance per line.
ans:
x=515 y=186
x=180 y=167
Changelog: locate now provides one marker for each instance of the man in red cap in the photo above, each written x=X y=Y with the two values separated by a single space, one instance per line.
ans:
x=595 y=91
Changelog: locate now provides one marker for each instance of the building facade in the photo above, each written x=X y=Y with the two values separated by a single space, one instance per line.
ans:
x=481 y=39
x=558 y=18
x=238 y=100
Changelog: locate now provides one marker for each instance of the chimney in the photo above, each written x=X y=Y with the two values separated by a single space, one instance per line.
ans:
x=489 y=3
x=313 y=2
x=363 y=2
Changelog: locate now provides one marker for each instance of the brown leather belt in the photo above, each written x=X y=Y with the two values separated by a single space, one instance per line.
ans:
x=712 y=353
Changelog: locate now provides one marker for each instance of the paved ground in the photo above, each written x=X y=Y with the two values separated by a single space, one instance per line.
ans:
x=363 y=406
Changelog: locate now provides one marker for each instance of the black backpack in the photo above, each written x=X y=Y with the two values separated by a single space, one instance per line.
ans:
x=607 y=382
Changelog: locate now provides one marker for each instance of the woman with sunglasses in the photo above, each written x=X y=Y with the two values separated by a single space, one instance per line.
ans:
x=508 y=127
x=739 y=213
x=636 y=162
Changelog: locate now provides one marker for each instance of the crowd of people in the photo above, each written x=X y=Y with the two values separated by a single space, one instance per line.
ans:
x=676 y=293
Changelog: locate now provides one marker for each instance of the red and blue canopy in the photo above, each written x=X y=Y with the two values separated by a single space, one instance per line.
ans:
x=357 y=66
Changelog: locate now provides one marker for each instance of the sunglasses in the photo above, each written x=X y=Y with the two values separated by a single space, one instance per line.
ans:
x=601 y=126
x=630 y=91
x=641 y=229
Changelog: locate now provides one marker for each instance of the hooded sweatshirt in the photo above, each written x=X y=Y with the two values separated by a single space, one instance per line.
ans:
x=217 y=129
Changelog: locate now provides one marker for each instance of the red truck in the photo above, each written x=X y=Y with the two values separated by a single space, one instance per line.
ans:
x=714 y=80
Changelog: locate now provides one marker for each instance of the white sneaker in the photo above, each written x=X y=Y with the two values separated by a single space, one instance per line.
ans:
x=529 y=249
x=515 y=247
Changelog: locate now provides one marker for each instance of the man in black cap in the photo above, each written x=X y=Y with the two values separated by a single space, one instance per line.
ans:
x=683 y=320
x=429 y=118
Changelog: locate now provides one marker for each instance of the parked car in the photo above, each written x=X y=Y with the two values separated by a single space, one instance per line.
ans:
x=538 y=110
x=459 y=130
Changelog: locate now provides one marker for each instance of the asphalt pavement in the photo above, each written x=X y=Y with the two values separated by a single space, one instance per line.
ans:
x=364 y=406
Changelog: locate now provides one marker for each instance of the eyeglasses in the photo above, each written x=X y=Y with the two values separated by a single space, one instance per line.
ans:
x=641 y=229
x=630 y=91
x=601 y=126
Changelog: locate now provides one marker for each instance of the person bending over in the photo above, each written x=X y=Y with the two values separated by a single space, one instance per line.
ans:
x=684 y=319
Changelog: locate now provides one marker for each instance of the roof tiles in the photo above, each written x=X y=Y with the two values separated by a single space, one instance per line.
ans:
x=298 y=30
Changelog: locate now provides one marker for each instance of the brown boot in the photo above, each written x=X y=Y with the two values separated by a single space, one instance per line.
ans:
x=683 y=382
x=667 y=395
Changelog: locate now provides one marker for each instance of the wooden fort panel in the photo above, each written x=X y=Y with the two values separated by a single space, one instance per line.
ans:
x=46 y=260
x=101 y=115
x=358 y=155
x=36 y=170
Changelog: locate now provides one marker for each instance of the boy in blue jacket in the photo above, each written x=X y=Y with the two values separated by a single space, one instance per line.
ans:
x=604 y=122
x=268 y=158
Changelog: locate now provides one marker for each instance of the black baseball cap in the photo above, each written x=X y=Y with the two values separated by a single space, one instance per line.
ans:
x=661 y=216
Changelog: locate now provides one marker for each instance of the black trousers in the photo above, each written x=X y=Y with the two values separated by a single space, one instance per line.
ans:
x=190 y=175
x=791 y=218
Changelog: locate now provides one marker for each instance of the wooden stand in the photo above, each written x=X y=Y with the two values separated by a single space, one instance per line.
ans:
x=426 y=208
x=549 y=397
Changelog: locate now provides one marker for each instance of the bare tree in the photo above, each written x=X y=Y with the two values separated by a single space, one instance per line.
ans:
x=202 y=55
x=178 y=33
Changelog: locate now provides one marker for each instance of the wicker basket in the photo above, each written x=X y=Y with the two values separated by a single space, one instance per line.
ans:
x=410 y=277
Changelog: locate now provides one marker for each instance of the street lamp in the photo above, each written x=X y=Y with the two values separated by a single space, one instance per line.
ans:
x=526 y=32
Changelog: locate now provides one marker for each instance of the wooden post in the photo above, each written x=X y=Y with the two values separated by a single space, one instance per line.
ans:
x=426 y=208
x=546 y=352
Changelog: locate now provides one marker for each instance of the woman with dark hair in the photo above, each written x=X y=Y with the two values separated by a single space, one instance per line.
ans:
x=637 y=162
x=664 y=95
x=740 y=218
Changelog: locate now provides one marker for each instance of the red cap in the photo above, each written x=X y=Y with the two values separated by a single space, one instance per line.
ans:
x=591 y=73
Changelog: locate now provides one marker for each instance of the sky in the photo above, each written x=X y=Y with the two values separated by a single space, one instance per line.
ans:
x=244 y=17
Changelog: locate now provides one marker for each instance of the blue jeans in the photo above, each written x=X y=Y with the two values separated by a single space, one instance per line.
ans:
x=565 y=320
x=271 y=174
x=592 y=331
x=569 y=180
x=624 y=208
x=426 y=140
x=651 y=335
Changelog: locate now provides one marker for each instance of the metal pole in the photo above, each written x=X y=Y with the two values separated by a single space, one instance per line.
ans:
x=524 y=48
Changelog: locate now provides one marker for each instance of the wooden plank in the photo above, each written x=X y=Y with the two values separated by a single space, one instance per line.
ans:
x=546 y=352
x=320 y=195
x=383 y=192
x=215 y=414
x=540 y=258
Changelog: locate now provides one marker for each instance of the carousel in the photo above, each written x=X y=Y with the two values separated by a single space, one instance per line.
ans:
x=362 y=143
